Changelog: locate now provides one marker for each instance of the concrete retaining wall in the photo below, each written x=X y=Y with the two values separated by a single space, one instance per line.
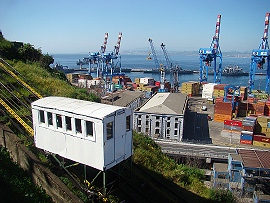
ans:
x=41 y=176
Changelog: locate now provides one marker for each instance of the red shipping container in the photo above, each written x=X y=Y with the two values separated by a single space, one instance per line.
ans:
x=248 y=128
x=237 y=123
x=249 y=142
x=261 y=138
x=219 y=99
x=228 y=122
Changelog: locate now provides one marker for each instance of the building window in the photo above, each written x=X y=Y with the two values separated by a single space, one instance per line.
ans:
x=157 y=124
x=128 y=123
x=175 y=132
x=68 y=123
x=78 y=124
x=168 y=118
x=41 y=117
x=139 y=122
x=109 y=127
x=176 y=125
x=157 y=117
x=50 y=118
x=139 y=116
x=139 y=129
x=58 y=121
x=157 y=131
x=146 y=123
x=146 y=130
x=146 y=116
x=168 y=131
x=89 y=128
x=176 y=119
x=168 y=124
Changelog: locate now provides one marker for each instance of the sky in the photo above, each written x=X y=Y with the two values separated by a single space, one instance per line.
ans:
x=69 y=26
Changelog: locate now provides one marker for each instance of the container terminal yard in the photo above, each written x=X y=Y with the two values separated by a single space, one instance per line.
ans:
x=225 y=127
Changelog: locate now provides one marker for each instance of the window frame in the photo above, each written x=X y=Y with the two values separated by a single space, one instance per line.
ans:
x=112 y=129
x=42 y=121
x=50 y=124
x=61 y=120
x=128 y=123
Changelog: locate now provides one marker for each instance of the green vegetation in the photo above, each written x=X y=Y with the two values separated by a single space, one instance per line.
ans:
x=35 y=66
x=16 y=185
x=148 y=154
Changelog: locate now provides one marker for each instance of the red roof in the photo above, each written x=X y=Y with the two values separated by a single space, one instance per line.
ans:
x=255 y=159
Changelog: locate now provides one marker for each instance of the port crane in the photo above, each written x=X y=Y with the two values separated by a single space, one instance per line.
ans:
x=161 y=69
x=173 y=70
x=261 y=56
x=207 y=55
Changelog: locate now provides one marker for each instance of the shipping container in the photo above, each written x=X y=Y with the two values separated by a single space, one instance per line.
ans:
x=248 y=128
x=246 y=142
x=246 y=137
x=261 y=144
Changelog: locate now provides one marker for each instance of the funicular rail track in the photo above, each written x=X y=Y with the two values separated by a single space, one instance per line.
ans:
x=18 y=109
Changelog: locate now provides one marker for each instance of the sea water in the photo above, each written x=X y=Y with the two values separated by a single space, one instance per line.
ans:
x=188 y=62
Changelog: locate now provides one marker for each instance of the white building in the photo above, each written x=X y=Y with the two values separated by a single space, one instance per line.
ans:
x=162 y=116
x=94 y=134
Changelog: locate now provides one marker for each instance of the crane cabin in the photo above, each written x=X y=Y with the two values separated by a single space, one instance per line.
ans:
x=94 y=134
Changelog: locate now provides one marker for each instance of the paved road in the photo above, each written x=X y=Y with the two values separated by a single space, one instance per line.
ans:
x=208 y=151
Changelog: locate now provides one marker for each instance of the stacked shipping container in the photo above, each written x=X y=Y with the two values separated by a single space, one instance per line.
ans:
x=223 y=111
x=262 y=135
x=219 y=91
x=231 y=125
x=191 y=88
x=207 y=91
x=248 y=127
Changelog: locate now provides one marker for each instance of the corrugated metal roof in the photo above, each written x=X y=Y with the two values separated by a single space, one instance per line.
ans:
x=166 y=103
x=87 y=108
x=127 y=97
x=221 y=167
x=255 y=158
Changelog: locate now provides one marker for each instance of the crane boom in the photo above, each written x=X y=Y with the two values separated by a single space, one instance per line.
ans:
x=168 y=61
x=207 y=55
x=216 y=37
x=103 y=47
x=154 y=53
x=265 y=34
x=117 y=47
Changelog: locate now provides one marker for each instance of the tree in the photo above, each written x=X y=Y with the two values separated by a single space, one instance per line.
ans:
x=29 y=53
x=46 y=60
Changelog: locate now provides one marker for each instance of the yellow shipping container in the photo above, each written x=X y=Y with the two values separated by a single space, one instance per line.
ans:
x=263 y=119
x=261 y=144
x=137 y=80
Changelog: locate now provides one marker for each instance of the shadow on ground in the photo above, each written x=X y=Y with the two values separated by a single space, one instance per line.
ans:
x=196 y=128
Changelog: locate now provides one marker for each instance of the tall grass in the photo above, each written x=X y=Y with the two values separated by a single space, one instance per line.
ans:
x=51 y=82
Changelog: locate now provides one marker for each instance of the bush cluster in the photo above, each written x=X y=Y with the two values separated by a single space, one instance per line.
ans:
x=23 y=52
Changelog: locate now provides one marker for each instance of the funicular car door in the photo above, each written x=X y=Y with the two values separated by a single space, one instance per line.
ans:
x=120 y=134
x=109 y=136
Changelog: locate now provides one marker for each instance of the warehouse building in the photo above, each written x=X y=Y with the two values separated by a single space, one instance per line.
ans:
x=162 y=116
x=126 y=98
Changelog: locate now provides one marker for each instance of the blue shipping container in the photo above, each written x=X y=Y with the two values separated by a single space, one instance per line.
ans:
x=246 y=137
